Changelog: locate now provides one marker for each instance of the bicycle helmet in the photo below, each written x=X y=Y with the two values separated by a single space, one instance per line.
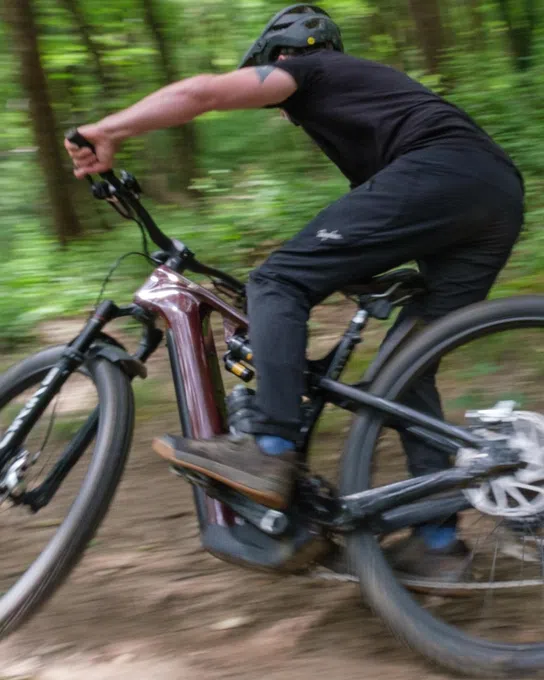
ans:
x=296 y=27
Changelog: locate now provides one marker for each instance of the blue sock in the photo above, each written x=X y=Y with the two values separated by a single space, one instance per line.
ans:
x=437 y=537
x=274 y=446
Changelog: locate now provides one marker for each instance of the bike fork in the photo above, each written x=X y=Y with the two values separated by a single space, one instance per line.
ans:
x=72 y=357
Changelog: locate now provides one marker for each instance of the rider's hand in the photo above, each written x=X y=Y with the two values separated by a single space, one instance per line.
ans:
x=85 y=161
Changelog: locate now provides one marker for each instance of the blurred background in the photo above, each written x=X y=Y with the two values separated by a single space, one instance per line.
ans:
x=232 y=185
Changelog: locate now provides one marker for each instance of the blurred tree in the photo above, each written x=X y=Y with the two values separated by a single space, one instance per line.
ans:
x=382 y=30
x=19 y=14
x=75 y=9
x=520 y=17
x=185 y=135
x=477 y=25
x=430 y=32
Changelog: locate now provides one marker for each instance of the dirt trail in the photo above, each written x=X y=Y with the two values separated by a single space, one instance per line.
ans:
x=147 y=602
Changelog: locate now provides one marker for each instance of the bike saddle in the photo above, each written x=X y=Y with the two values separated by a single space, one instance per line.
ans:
x=395 y=286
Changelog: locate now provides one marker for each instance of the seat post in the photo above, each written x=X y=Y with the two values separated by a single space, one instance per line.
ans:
x=350 y=339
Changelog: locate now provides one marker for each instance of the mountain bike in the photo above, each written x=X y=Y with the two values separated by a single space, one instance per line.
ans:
x=61 y=459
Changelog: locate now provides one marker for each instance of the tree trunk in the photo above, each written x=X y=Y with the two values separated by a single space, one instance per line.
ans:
x=426 y=14
x=185 y=136
x=74 y=8
x=20 y=16
x=520 y=22
x=477 y=27
x=383 y=22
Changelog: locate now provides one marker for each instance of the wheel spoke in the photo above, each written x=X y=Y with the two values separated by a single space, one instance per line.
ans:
x=516 y=494
x=500 y=494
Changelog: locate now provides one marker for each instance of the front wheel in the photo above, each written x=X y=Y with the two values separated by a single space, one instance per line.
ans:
x=486 y=353
x=74 y=457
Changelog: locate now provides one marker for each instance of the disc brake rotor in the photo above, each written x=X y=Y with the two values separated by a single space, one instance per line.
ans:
x=518 y=495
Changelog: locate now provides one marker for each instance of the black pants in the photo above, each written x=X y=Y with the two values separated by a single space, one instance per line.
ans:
x=458 y=212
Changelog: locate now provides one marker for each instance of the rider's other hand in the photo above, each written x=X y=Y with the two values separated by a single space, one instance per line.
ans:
x=85 y=161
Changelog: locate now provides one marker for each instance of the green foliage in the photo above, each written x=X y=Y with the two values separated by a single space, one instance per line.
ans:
x=260 y=178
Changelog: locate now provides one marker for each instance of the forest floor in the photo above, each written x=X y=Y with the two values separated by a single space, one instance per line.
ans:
x=147 y=602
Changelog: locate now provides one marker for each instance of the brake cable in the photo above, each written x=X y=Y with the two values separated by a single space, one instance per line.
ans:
x=114 y=267
x=123 y=195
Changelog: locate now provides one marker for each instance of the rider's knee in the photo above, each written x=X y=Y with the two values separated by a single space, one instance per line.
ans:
x=271 y=278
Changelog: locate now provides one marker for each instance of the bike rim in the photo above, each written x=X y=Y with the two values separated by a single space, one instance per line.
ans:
x=507 y=563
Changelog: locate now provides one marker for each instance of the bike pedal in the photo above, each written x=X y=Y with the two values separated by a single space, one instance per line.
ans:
x=191 y=476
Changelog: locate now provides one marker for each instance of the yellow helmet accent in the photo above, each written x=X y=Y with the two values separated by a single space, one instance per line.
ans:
x=311 y=40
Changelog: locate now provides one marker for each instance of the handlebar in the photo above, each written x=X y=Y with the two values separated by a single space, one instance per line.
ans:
x=116 y=191
x=123 y=194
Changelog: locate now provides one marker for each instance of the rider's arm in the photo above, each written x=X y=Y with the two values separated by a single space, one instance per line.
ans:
x=180 y=103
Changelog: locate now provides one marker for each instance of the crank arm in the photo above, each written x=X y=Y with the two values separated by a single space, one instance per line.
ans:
x=271 y=522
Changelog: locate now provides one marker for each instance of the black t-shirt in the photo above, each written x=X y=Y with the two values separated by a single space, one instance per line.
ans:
x=364 y=114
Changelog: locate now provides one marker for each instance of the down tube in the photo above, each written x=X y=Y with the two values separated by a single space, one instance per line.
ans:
x=195 y=389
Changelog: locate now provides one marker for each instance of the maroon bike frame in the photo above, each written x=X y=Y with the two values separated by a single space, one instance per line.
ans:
x=186 y=308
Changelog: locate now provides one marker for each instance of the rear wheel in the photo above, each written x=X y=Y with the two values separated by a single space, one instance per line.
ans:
x=487 y=353
x=87 y=428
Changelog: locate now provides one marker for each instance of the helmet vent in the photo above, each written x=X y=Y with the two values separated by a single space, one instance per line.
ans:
x=277 y=27
x=314 y=23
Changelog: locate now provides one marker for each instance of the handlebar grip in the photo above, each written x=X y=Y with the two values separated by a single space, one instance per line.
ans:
x=75 y=137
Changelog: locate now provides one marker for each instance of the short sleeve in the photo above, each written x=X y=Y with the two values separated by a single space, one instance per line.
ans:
x=306 y=71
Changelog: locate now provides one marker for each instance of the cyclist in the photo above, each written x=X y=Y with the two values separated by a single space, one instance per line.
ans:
x=427 y=184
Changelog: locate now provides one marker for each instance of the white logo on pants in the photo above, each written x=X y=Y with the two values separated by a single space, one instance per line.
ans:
x=325 y=235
